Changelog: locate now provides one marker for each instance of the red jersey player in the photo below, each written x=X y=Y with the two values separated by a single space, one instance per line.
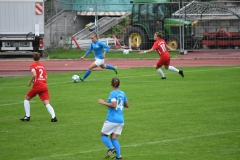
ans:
x=162 y=49
x=39 y=77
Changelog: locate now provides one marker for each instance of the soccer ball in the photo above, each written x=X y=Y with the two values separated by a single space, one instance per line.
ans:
x=75 y=78
x=125 y=51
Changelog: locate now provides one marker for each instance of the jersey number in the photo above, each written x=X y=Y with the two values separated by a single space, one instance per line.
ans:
x=119 y=104
x=163 y=47
x=41 y=73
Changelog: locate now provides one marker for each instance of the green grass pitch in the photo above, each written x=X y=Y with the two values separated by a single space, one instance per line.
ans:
x=191 y=118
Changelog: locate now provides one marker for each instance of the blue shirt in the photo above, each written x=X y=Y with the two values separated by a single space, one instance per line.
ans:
x=115 y=115
x=98 y=48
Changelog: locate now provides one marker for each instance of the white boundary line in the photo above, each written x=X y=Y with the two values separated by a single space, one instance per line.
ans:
x=140 y=144
x=9 y=104
x=169 y=72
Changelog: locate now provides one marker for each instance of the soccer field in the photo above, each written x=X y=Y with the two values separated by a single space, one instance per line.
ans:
x=192 y=118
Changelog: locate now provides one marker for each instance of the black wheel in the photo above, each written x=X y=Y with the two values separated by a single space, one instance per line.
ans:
x=173 y=43
x=137 y=38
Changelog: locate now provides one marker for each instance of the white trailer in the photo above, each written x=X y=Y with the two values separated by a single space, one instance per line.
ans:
x=21 y=26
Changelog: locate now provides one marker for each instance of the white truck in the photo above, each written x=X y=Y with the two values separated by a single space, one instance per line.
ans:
x=21 y=27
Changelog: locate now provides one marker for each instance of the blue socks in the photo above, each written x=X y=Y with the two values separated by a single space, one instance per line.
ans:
x=107 y=142
x=108 y=66
x=86 y=74
x=116 y=146
x=113 y=143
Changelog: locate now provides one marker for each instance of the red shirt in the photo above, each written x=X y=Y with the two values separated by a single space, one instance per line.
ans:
x=41 y=73
x=161 y=48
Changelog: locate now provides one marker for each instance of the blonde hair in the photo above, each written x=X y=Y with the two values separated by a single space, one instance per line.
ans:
x=96 y=35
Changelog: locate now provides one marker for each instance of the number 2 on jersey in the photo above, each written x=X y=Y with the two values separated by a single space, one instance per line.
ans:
x=41 y=73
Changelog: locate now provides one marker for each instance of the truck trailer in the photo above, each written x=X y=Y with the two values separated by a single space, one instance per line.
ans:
x=21 y=27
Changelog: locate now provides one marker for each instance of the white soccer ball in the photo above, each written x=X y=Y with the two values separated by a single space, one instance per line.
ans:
x=75 y=78
x=125 y=51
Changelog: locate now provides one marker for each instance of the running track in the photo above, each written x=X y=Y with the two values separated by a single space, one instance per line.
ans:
x=15 y=67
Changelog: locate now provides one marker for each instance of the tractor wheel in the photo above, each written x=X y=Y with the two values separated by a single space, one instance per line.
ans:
x=137 y=38
x=173 y=43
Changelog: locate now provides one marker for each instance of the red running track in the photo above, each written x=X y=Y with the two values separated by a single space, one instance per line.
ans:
x=218 y=58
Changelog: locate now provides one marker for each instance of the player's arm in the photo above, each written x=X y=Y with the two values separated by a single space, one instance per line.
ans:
x=126 y=104
x=106 y=48
x=88 y=52
x=150 y=50
x=33 y=77
x=112 y=104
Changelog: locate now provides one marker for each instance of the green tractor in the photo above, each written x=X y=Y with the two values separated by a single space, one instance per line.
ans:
x=150 y=16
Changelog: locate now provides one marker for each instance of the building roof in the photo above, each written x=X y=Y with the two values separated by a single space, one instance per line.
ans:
x=208 y=11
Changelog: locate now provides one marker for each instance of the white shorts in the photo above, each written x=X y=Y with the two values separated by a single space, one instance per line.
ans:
x=99 y=62
x=109 y=128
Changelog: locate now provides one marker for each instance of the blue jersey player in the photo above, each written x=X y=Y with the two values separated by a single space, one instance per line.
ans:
x=99 y=54
x=113 y=125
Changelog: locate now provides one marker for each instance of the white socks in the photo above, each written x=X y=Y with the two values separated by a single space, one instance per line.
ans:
x=50 y=110
x=27 y=107
x=173 y=69
x=160 y=72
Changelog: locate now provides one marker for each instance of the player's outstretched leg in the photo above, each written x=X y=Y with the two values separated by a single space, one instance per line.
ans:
x=176 y=70
x=87 y=73
x=108 y=66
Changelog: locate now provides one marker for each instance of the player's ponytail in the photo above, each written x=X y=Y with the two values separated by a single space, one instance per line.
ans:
x=96 y=35
x=115 y=82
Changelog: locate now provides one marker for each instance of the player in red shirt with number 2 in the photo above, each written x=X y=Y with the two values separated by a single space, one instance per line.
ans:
x=39 y=77
x=162 y=49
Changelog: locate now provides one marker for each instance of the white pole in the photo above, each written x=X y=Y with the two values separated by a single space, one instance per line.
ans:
x=137 y=42
x=107 y=41
x=129 y=43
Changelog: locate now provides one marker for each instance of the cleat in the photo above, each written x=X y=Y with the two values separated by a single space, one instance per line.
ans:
x=110 y=152
x=117 y=157
x=163 y=78
x=116 y=69
x=81 y=79
x=25 y=118
x=181 y=73
x=54 y=119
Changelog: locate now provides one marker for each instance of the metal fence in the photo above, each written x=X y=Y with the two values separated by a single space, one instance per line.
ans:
x=184 y=26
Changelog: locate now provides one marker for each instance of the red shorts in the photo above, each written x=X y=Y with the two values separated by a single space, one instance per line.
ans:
x=163 y=62
x=41 y=91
